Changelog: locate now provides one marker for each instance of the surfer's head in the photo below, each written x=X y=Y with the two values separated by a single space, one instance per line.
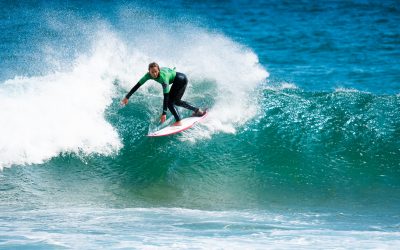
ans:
x=154 y=69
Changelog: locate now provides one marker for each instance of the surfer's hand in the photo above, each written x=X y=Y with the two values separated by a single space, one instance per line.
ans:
x=124 y=101
x=163 y=118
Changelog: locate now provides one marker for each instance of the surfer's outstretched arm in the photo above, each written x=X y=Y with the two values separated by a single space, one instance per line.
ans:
x=133 y=90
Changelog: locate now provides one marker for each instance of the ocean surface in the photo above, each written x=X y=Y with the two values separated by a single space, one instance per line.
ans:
x=300 y=150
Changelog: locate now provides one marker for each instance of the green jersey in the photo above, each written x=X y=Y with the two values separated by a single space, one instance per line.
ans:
x=165 y=78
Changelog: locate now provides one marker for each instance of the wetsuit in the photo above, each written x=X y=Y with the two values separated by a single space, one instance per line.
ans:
x=172 y=95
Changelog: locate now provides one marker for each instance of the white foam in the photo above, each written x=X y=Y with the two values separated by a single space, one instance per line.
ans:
x=60 y=112
x=282 y=86
x=236 y=73
x=221 y=70
x=64 y=111
x=175 y=228
x=349 y=90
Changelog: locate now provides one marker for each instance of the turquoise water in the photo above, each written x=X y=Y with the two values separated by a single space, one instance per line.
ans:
x=301 y=147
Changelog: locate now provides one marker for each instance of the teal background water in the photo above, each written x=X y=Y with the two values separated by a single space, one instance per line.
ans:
x=301 y=148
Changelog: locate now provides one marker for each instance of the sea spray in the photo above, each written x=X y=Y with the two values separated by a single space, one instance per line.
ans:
x=66 y=110
x=60 y=112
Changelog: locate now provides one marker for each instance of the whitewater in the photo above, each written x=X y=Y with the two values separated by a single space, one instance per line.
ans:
x=66 y=110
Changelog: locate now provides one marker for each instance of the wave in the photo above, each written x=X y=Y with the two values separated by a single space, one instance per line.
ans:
x=335 y=149
x=68 y=110
x=263 y=143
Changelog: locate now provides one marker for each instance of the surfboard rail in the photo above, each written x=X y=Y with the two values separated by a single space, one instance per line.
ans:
x=171 y=129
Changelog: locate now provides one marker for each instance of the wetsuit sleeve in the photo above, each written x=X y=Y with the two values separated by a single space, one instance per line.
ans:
x=140 y=83
x=166 y=97
x=133 y=90
x=165 y=103
x=165 y=87
x=144 y=78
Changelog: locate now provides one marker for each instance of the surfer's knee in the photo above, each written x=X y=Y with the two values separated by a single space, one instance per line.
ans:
x=171 y=104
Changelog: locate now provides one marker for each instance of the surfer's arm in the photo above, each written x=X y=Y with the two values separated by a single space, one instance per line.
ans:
x=125 y=100
x=166 y=97
x=140 y=83
x=133 y=90
x=165 y=103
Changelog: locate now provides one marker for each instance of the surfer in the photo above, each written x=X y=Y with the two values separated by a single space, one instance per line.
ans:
x=172 y=95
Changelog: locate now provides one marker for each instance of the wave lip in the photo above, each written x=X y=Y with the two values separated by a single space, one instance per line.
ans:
x=60 y=112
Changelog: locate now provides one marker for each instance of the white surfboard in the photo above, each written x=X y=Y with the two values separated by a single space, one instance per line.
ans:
x=186 y=124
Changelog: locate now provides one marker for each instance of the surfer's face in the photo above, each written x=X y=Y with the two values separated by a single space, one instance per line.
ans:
x=154 y=72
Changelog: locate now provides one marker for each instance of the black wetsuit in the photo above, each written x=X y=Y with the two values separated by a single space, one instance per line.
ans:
x=175 y=95
x=173 y=98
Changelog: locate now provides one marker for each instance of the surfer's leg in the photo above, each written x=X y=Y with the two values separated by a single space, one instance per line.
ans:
x=174 y=111
x=186 y=105
x=171 y=102
x=178 y=88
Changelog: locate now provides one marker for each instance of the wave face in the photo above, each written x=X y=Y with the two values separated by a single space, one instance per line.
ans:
x=328 y=149
x=265 y=143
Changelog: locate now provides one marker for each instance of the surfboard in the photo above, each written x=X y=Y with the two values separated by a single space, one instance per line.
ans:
x=186 y=124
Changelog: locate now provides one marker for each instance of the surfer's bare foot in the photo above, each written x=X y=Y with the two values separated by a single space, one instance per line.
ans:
x=199 y=113
x=178 y=123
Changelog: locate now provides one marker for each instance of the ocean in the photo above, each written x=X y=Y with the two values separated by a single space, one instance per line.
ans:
x=300 y=150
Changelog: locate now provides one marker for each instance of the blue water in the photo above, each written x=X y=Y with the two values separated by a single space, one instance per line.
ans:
x=301 y=148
